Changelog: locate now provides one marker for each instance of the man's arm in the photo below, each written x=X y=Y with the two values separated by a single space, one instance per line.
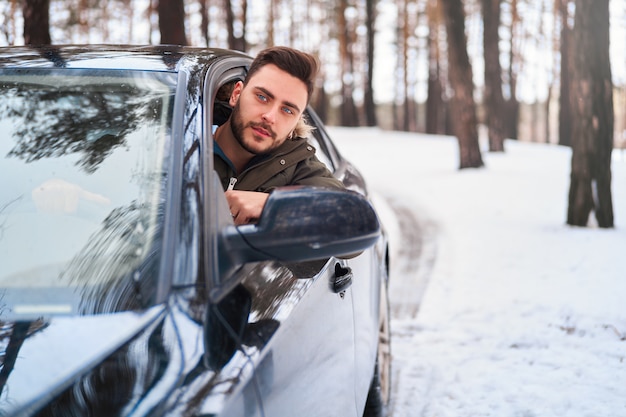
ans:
x=247 y=206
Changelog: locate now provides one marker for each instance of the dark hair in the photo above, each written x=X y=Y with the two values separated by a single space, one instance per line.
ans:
x=299 y=64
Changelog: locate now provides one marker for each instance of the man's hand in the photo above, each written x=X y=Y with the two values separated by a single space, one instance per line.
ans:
x=246 y=206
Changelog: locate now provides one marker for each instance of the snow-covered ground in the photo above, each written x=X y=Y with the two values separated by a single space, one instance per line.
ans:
x=522 y=316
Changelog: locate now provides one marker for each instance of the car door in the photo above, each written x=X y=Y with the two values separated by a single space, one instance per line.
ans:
x=367 y=269
x=302 y=323
x=298 y=334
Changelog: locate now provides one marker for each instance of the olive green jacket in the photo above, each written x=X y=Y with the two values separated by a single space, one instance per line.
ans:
x=293 y=163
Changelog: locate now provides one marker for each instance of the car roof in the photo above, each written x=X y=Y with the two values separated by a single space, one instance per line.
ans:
x=153 y=58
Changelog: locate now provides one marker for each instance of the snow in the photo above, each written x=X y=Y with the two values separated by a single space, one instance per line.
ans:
x=498 y=307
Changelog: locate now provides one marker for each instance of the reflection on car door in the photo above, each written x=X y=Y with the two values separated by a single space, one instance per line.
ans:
x=307 y=366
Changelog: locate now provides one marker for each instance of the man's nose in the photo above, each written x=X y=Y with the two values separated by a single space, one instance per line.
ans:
x=270 y=115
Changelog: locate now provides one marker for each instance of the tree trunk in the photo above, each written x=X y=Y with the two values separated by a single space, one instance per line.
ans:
x=511 y=105
x=271 y=21
x=435 y=105
x=172 y=22
x=406 y=100
x=565 y=118
x=242 y=43
x=400 y=82
x=234 y=42
x=370 y=106
x=460 y=75
x=37 y=22
x=494 y=109
x=320 y=104
x=204 y=29
x=230 y=23
x=349 y=114
x=592 y=116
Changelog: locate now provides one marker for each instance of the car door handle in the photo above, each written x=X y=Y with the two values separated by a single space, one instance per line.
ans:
x=342 y=278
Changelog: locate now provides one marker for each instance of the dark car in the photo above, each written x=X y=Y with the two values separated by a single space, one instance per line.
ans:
x=125 y=287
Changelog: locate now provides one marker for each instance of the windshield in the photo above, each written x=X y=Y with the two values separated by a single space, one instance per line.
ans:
x=82 y=171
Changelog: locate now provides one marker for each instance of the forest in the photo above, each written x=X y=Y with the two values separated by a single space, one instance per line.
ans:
x=481 y=70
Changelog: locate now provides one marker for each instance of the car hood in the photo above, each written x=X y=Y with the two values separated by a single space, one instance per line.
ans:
x=58 y=363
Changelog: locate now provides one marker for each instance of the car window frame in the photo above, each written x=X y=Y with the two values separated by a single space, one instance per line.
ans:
x=322 y=141
x=225 y=70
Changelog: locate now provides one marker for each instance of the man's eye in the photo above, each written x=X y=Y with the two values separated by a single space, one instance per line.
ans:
x=288 y=110
x=261 y=97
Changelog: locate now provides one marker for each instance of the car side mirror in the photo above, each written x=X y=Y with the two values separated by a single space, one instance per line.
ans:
x=303 y=224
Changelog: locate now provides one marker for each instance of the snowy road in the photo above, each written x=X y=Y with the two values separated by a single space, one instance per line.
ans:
x=499 y=309
x=414 y=249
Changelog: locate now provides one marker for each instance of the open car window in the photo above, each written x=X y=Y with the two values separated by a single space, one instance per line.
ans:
x=221 y=106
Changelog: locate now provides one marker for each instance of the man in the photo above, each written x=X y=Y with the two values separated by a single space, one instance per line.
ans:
x=261 y=146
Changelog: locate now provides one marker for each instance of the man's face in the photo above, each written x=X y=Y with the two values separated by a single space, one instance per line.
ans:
x=267 y=109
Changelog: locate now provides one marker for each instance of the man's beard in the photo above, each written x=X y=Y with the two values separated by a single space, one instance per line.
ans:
x=237 y=126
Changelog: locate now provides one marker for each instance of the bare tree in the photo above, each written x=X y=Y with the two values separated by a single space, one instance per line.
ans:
x=399 y=83
x=242 y=43
x=204 y=23
x=565 y=118
x=326 y=28
x=511 y=104
x=349 y=114
x=37 y=22
x=369 y=105
x=494 y=109
x=463 y=105
x=435 y=104
x=407 y=114
x=234 y=41
x=172 y=22
x=592 y=121
x=271 y=21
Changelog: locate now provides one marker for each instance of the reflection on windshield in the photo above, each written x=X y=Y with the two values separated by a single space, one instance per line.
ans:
x=81 y=175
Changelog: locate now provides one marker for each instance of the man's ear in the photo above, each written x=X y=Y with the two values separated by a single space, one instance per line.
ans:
x=234 y=96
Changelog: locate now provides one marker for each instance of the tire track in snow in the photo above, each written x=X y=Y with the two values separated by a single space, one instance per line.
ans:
x=412 y=260
x=413 y=251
